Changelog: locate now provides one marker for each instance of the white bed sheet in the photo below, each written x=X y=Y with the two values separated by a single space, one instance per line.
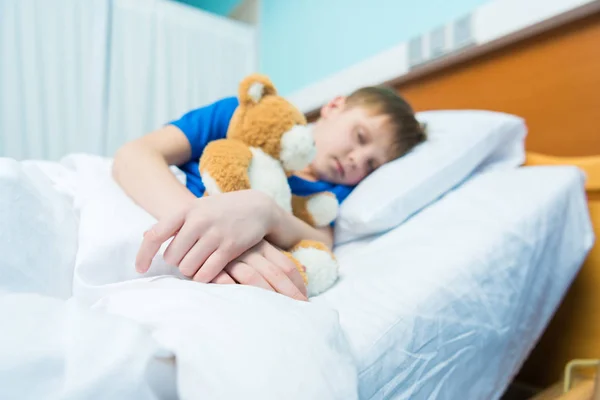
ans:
x=445 y=306
x=448 y=305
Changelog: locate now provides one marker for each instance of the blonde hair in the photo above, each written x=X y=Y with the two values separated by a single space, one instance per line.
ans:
x=381 y=100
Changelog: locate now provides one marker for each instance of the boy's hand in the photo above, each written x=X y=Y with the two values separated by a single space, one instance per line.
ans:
x=213 y=232
x=266 y=267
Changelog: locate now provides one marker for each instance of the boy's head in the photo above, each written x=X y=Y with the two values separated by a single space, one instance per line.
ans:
x=358 y=133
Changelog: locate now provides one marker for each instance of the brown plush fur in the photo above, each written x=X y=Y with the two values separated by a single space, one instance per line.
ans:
x=304 y=244
x=227 y=162
x=263 y=126
x=300 y=210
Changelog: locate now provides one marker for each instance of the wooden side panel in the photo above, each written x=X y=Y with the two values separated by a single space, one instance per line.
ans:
x=552 y=80
x=574 y=331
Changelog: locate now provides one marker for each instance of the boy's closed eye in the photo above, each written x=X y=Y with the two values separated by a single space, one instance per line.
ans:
x=361 y=137
x=364 y=139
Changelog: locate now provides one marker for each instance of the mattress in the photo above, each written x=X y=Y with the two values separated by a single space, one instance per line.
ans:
x=448 y=305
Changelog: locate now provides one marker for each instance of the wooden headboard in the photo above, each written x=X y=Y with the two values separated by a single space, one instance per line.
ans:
x=552 y=79
x=549 y=74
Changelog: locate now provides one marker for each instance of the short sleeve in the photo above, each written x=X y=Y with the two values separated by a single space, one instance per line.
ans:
x=206 y=124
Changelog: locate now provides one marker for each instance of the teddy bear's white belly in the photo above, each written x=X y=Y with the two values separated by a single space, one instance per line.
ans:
x=267 y=175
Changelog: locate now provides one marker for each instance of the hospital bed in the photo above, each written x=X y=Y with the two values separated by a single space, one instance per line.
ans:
x=546 y=74
x=446 y=303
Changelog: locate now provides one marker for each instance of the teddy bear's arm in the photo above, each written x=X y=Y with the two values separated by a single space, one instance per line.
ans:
x=224 y=166
x=317 y=210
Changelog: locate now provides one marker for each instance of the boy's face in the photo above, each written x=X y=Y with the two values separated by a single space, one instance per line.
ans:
x=350 y=142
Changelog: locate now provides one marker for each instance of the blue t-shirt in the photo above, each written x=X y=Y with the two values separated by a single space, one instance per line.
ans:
x=211 y=122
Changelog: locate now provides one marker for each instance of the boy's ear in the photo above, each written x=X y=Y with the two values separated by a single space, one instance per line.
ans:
x=333 y=106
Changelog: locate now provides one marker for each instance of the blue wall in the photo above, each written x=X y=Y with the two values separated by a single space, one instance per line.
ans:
x=302 y=41
x=220 y=7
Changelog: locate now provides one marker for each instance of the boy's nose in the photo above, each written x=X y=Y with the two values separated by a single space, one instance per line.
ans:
x=352 y=162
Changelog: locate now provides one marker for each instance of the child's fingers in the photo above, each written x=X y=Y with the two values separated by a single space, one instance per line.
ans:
x=214 y=264
x=247 y=275
x=183 y=241
x=224 y=279
x=274 y=275
x=195 y=258
x=286 y=265
x=154 y=238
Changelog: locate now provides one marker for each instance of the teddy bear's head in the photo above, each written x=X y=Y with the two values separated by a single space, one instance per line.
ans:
x=266 y=121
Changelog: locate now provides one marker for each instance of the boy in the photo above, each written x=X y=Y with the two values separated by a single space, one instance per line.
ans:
x=231 y=238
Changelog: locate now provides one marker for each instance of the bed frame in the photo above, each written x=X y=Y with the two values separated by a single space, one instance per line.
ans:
x=548 y=73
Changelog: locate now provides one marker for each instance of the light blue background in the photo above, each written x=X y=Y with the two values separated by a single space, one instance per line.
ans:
x=302 y=41
x=220 y=7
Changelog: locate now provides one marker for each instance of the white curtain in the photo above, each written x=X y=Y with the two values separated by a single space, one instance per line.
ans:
x=88 y=75
x=52 y=74
x=170 y=58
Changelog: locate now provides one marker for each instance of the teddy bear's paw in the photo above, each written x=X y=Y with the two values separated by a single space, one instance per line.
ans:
x=321 y=268
x=323 y=208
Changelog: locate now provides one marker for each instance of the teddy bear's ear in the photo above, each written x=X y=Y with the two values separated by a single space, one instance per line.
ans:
x=254 y=88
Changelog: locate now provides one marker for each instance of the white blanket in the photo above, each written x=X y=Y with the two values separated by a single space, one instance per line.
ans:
x=446 y=305
x=81 y=323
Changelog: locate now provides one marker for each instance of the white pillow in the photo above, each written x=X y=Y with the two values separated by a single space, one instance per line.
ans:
x=459 y=142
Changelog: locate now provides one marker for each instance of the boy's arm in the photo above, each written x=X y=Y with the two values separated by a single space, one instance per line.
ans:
x=289 y=230
x=141 y=168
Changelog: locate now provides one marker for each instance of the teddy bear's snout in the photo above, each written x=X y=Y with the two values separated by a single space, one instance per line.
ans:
x=297 y=148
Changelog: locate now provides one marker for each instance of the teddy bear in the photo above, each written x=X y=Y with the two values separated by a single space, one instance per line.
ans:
x=267 y=140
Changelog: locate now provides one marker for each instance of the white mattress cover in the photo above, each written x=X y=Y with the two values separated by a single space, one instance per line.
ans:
x=448 y=305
